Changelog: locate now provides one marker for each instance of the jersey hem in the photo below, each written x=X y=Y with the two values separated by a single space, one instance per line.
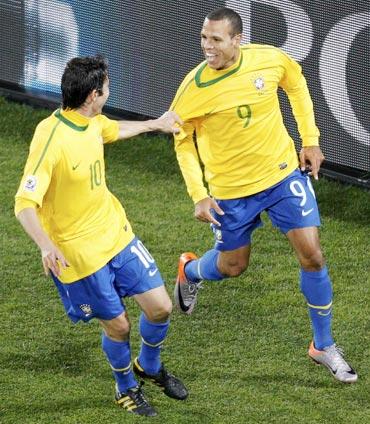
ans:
x=100 y=264
x=237 y=192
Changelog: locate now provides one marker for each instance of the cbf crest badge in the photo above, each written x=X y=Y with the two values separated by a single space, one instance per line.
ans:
x=86 y=309
x=218 y=235
x=259 y=83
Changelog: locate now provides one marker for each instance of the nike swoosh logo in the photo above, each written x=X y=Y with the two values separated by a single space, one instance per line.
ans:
x=74 y=167
x=332 y=369
x=208 y=113
x=183 y=307
x=324 y=314
x=153 y=272
x=305 y=213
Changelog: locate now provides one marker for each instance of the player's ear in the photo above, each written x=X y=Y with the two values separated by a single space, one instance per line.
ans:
x=238 y=39
x=92 y=96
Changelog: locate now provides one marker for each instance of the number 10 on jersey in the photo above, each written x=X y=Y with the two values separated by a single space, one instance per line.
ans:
x=95 y=174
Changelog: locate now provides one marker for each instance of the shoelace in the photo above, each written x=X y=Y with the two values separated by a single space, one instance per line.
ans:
x=138 y=396
x=337 y=355
x=194 y=287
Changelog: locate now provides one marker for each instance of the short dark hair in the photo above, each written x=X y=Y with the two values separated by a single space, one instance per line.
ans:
x=81 y=76
x=229 y=14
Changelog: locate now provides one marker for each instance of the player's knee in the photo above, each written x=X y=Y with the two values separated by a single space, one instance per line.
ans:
x=313 y=261
x=123 y=330
x=161 y=312
x=234 y=269
x=118 y=328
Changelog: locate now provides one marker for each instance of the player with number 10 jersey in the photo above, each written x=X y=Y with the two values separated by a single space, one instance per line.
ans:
x=85 y=239
x=65 y=177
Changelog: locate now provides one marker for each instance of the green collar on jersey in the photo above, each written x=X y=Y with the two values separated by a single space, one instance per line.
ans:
x=66 y=121
x=213 y=81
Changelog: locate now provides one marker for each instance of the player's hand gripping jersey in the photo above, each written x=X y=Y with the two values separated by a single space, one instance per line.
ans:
x=65 y=177
x=236 y=117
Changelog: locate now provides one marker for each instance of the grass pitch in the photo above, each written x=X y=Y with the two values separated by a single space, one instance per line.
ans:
x=242 y=354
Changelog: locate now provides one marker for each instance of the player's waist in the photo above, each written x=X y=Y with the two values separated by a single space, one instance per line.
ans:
x=229 y=188
x=87 y=256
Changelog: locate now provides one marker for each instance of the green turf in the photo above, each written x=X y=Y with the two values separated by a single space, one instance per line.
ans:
x=242 y=353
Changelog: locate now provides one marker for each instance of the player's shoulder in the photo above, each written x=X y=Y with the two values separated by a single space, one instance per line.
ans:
x=103 y=121
x=99 y=119
x=49 y=121
x=46 y=132
x=263 y=50
x=47 y=126
x=191 y=74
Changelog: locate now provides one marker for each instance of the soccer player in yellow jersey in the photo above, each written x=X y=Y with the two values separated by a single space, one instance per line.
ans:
x=85 y=240
x=229 y=105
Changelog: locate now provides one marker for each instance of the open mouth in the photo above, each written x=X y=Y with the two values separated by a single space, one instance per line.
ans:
x=210 y=57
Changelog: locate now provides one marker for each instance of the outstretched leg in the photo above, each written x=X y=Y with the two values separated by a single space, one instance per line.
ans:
x=214 y=265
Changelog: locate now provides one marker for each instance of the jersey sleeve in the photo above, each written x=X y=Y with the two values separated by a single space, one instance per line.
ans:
x=186 y=152
x=294 y=84
x=109 y=129
x=182 y=100
x=188 y=159
x=21 y=204
x=43 y=157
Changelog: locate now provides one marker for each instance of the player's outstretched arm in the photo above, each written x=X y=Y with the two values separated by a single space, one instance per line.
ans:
x=310 y=159
x=50 y=254
x=169 y=122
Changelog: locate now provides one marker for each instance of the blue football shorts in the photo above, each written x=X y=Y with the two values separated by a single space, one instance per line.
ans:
x=290 y=204
x=99 y=295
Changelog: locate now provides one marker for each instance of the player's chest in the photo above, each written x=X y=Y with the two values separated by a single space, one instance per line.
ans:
x=256 y=88
x=82 y=158
x=258 y=85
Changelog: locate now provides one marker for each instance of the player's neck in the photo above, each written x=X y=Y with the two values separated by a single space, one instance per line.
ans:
x=86 y=111
x=75 y=116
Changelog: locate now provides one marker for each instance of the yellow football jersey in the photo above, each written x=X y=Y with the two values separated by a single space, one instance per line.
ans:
x=65 y=176
x=235 y=115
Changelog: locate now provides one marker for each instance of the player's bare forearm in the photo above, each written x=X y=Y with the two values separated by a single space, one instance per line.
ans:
x=49 y=252
x=169 y=122
x=31 y=224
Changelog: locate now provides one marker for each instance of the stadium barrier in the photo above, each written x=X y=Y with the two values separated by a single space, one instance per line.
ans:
x=152 y=44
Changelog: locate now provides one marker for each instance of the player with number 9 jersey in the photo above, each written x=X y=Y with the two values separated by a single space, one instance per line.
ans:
x=233 y=124
x=236 y=116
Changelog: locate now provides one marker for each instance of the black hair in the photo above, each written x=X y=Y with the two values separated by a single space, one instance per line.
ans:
x=225 y=13
x=81 y=76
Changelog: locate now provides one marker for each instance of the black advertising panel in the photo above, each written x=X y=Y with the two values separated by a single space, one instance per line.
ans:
x=152 y=44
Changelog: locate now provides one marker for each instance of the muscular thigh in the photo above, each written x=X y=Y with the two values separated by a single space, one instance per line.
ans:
x=306 y=244
x=155 y=303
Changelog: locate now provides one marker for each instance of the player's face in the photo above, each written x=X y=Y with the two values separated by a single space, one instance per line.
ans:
x=220 y=48
x=100 y=100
